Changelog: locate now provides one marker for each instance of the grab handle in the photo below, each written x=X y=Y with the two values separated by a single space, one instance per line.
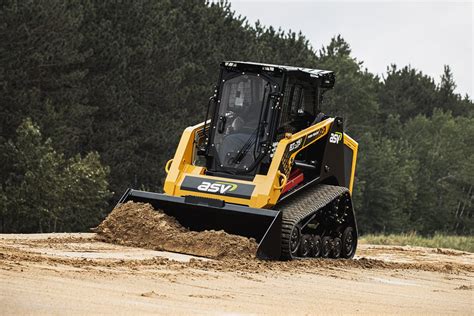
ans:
x=168 y=165
x=283 y=183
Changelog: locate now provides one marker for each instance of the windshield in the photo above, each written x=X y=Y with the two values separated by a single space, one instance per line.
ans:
x=242 y=121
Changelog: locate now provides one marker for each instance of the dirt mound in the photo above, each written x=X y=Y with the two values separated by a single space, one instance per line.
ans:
x=140 y=225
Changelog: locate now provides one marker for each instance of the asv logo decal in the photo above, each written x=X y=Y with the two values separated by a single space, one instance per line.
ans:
x=218 y=187
x=335 y=137
x=295 y=144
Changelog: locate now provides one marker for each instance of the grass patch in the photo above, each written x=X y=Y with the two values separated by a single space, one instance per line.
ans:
x=464 y=243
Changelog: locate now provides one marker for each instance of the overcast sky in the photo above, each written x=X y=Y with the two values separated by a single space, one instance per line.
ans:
x=424 y=34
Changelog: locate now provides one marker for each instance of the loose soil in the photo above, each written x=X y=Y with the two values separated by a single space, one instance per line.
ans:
x=77 y=274
x=139 y=225
x=135 y=264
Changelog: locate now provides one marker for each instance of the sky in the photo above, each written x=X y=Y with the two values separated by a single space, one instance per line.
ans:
x=424 y=34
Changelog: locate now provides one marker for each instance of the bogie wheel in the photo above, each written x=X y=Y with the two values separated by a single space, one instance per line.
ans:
x=306 y=246
x=336 y=248
x=349 y=243
x=295 y=240
x=326 y=245
x=316 y=246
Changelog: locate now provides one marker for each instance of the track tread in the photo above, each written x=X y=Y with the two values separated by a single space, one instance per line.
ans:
x=301 y=206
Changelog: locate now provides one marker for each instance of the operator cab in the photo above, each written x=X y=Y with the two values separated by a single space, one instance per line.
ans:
x=254 y=106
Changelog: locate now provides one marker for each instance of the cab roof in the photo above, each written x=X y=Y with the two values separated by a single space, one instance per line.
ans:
x=327 y=76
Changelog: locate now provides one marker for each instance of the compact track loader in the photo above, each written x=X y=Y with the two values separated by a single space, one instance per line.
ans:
x=266 y=163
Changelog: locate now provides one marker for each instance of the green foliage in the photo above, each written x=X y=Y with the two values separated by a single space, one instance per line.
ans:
x=441 y=146
x=354 y=96
x=41 y=70
x=385 y=191
x=419 y=179
x=464 y=243
x=46 y=192
x=407 y=92
x=86 y=192
x=124 y=79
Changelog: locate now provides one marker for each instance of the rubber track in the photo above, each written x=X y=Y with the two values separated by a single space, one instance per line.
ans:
x=303 y=205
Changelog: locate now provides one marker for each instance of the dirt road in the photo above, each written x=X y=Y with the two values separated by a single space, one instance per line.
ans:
x=74 y=273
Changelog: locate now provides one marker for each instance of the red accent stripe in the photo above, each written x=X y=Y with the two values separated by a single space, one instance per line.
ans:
x=296 y=177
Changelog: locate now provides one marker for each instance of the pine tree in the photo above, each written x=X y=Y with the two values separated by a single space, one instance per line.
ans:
x=44 y=191
x=353 y=96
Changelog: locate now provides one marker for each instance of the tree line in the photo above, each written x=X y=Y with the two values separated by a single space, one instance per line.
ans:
x=95 y=95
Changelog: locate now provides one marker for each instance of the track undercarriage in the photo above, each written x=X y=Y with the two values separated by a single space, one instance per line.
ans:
x=318 y=222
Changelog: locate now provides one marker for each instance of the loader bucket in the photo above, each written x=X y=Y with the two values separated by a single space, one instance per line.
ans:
x=200 y=214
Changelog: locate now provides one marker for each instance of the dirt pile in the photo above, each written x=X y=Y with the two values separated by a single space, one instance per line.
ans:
x=139 y=225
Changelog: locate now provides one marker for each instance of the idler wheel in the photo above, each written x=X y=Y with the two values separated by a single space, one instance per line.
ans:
x=295 y=240
x=349 y=240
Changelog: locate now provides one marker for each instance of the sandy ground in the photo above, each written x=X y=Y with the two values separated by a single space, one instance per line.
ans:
x=76 y=274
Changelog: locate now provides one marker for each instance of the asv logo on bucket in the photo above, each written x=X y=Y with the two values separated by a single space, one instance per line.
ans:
x=335 y=137
x=218 y=187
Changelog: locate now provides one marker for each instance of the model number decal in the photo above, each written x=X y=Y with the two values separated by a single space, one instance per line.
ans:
x=296 y=144
x=218 y=187
x=335 y=137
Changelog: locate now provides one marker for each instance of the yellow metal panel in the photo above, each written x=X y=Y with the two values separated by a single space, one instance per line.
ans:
x=182 y=158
